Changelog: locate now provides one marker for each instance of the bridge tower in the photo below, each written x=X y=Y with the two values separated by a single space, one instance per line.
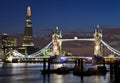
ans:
x=56 y=43
x=98 y=37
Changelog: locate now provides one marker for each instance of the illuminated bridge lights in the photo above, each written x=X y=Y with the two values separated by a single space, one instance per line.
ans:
x=57 y=40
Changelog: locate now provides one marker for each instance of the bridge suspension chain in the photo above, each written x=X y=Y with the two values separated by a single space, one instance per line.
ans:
x=110 y=48
x=40 y=51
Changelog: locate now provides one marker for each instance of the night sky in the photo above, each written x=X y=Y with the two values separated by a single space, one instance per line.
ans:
x=69 y=15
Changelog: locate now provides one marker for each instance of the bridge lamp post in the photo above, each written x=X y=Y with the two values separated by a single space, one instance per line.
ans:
x=75 y=38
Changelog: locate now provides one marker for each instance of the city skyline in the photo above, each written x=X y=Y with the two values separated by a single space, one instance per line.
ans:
x=68 y=15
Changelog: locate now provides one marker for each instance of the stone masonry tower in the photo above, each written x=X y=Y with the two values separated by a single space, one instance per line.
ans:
x=98 y=37
x=56 y=48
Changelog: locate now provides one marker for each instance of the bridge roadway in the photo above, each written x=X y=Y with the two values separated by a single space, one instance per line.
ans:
x=76 y=39
x=64 y=58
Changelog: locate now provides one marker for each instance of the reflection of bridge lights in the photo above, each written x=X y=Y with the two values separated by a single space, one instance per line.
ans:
x=55 y=66
x=9 y=59
x=111 y=55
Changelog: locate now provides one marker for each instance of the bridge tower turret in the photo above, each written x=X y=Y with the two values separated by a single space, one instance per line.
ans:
x=98 y=37
x=56 y=43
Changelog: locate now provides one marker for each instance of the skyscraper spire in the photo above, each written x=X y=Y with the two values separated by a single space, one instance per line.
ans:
x=28 y=29
x=28 y=11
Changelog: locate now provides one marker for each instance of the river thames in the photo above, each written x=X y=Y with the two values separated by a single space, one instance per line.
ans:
x=30 y=73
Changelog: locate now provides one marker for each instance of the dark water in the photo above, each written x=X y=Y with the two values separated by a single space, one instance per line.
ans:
x=30 y=73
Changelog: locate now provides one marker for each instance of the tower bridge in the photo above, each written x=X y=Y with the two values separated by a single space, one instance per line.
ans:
x=55 y=46
x=57 y=42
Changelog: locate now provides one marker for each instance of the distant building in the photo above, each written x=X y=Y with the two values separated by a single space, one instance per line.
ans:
x=27 y=40
x=8 y=43
x=28 y=45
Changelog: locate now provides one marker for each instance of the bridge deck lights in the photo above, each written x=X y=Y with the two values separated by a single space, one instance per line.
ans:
x=75 y=38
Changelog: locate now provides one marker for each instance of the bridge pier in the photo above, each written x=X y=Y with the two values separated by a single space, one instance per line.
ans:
x=117 y=71
x=46 y=69
x=111 y=70
x=44 y=64
x=49 y=65
x=79 y=63
x=75 y=62
x=81 y=66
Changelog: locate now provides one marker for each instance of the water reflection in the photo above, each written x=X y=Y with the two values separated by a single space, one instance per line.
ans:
x=13 y=72
x=58 y=78
x=30 y=73
x=46 y=78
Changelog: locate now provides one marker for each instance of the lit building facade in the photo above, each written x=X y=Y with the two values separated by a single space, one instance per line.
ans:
x=27 y=40
x=28 y=45
x=8 y=43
